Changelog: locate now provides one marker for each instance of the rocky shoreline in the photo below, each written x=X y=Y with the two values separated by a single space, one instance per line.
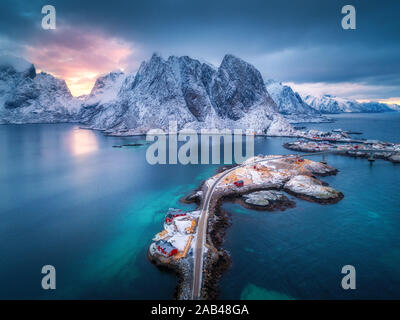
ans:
x=367 y=149
x=217 y=259
x=181 y=270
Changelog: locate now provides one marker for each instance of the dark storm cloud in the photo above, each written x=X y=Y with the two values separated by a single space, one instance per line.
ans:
x=300 y=41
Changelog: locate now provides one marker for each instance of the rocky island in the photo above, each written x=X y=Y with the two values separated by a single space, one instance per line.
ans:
x=263 y=183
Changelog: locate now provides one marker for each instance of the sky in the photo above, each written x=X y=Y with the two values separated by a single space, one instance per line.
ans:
x=300 y=43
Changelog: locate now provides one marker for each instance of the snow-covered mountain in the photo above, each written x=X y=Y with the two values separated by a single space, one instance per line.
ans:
x=288 y=101
x=196 y=95
x=377 y=107
x=27 y=97
x=291 y=105
x=394 y=107
x=332 y=104
x=105 y=89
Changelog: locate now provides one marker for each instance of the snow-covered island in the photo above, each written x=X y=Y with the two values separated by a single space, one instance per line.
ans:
x=270 y=179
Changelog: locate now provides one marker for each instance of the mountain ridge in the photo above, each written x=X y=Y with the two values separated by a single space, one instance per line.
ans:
x=195 y=94
x=329 y=104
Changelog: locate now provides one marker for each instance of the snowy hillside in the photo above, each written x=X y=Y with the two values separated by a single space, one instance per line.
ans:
x=196 y=95
x=27 y=97
x=105 y=89
x=332 y=104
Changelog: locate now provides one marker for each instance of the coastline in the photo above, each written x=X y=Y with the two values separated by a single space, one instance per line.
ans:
x=374 y=150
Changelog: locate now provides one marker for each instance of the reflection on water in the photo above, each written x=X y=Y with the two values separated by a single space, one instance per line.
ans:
x=71 y=200
x=82 y=142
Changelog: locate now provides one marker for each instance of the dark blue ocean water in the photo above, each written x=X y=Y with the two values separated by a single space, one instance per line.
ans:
x=67 y=198
x=299 y=253
x=380 y=126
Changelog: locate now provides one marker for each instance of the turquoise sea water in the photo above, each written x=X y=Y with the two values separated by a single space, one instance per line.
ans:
x=71 y=200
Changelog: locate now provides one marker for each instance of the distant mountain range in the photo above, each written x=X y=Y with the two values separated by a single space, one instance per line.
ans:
x=197 y=95
x=330 y=104
x=288 y=101
x=291 y=105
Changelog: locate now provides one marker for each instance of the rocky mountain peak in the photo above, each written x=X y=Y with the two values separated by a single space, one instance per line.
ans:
x=239 y=70
x=27 y=97
x=193 y=93
x=45 y=81
x=105 y=81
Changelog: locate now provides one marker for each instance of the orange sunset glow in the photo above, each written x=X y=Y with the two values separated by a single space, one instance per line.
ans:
x=82 y=58
x=391 y=101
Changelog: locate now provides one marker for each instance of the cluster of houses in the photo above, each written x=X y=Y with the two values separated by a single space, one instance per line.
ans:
x=176 y=239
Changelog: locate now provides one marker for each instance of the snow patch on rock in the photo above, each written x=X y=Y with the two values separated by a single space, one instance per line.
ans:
x=311 y=187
